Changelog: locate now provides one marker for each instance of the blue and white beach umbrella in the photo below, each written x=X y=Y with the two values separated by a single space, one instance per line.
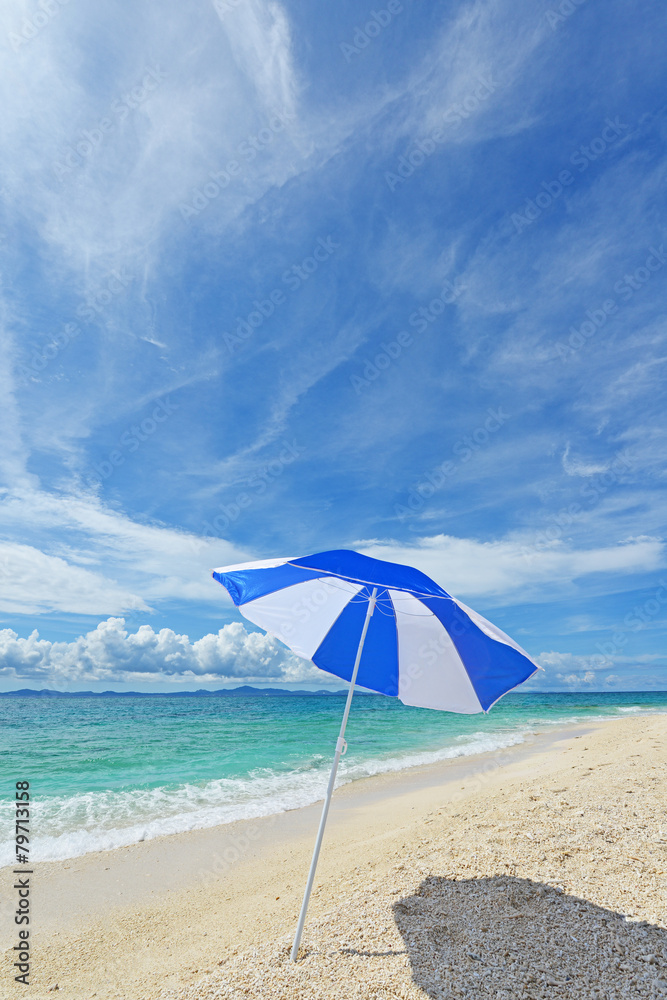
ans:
x=386 y=627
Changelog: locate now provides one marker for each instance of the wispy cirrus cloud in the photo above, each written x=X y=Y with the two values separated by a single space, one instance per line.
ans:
x=577 y=467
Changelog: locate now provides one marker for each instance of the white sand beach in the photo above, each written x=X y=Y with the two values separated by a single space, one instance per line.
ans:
x=537 y=871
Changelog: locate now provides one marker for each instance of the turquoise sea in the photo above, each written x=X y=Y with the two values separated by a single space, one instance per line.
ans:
x=110 y=771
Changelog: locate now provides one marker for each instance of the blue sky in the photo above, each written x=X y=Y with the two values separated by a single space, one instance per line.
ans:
x=278 y=278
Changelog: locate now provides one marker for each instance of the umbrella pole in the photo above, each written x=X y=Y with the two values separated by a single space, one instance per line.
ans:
x=332 y=780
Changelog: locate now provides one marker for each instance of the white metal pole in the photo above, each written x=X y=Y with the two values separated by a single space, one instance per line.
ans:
x=340 y=743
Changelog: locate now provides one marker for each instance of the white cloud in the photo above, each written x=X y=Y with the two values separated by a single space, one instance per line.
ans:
x=259 y=38
x=12 y=453
x=112 y=654
x=583 y=666
x=466 y=78
x=569 y=672
x=118 y=207
x=109 y=201
x=85 y=558
x=33 y=582
x=100 y=199
x=576 y=672
x=77 y=555
x=576 y=680
x=467 y=567
x=546 y=279
x=577 y=467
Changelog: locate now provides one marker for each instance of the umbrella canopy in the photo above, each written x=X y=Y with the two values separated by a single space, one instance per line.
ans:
x=422 y=645
x=385 y=626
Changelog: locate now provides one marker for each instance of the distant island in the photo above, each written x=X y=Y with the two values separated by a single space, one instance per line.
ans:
x=245 y=689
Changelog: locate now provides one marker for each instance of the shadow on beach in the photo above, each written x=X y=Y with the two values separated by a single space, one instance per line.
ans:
x=513 y=936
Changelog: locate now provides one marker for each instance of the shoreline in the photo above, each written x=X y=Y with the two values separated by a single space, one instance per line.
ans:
x=373 y=787
x=409 y=765
x=152 y=913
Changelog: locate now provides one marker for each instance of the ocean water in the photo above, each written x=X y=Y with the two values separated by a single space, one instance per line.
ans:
x=105 y=772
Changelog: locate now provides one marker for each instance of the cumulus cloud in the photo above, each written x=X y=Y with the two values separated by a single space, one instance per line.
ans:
x=569 y=672
x=612 y=680
x=581 y=672
x=582 y=665
x=112 y=654
x=577 y=680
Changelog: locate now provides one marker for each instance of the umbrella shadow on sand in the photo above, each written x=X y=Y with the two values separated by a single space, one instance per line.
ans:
x=515 y=937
